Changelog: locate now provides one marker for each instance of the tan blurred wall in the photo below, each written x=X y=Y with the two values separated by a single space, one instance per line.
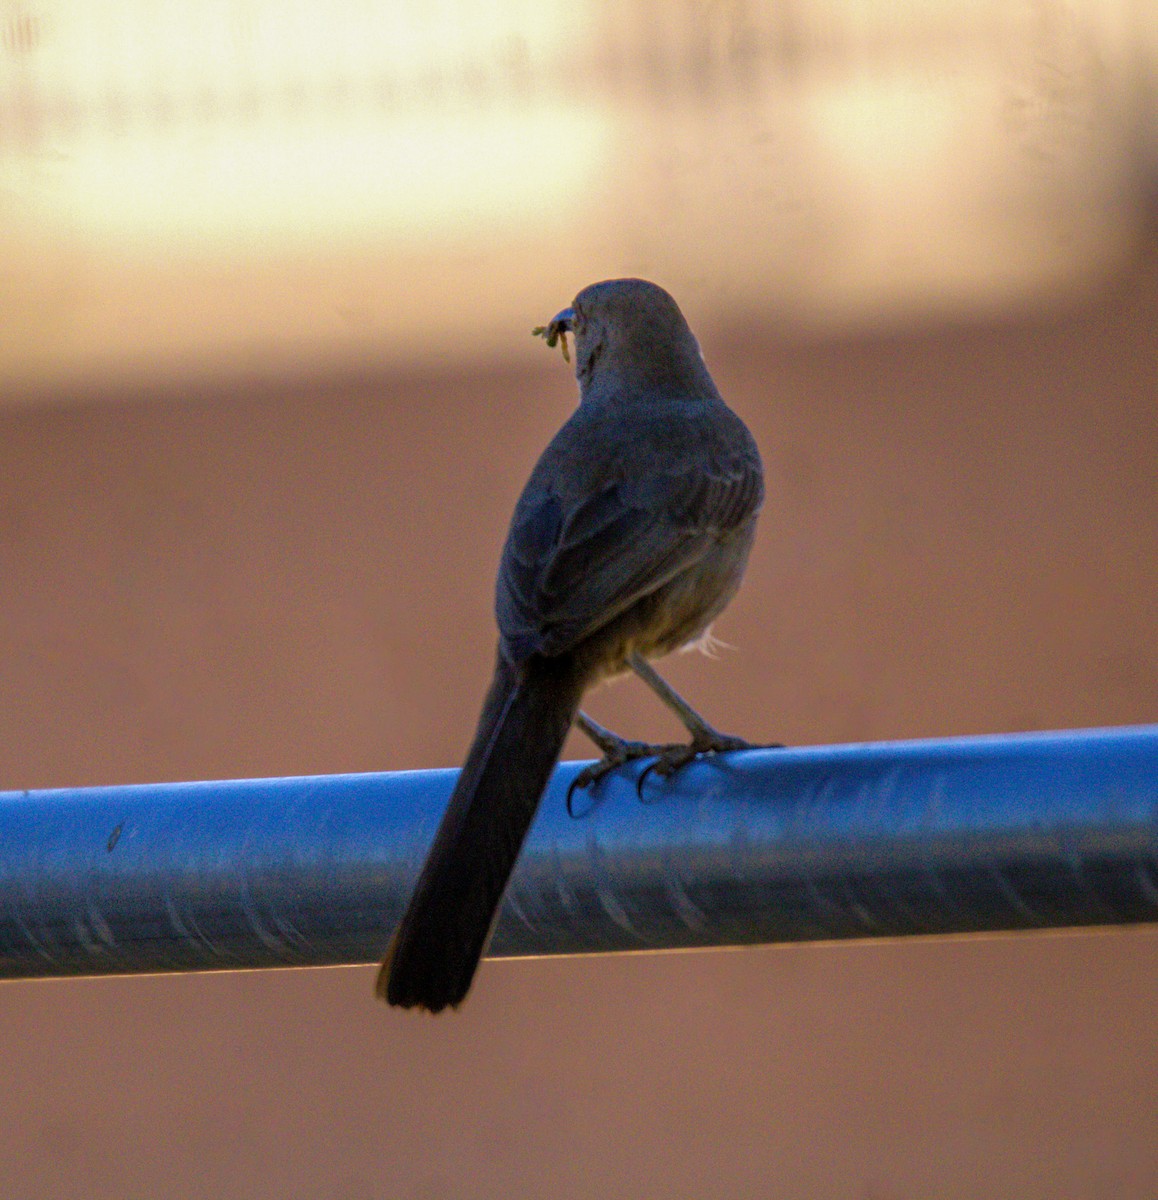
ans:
x=273 y=578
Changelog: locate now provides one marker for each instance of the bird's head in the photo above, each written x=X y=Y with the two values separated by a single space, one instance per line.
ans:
x=629 y=330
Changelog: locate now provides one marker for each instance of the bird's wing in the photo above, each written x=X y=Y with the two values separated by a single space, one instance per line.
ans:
x=566 y=573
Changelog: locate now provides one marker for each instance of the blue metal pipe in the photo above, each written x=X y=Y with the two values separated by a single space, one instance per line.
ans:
x=931 y=837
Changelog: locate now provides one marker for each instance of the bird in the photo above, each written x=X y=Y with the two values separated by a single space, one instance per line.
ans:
x=630 y=537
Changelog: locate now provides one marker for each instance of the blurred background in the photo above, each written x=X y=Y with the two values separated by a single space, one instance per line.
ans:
x=268 y=394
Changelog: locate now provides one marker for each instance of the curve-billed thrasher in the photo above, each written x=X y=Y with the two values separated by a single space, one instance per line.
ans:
x=629 y=539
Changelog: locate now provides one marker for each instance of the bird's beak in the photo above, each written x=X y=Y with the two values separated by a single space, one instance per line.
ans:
x=556 y=330
x=562 y=322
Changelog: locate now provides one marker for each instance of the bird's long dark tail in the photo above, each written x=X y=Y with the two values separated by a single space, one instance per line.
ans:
x=436 y=950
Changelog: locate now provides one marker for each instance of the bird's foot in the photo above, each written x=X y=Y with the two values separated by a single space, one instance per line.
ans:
x=670 y=759
x=669 y=756
x=617 y=752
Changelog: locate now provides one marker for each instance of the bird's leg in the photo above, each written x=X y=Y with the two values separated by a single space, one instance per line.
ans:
x=705 y=738
x=615 y=748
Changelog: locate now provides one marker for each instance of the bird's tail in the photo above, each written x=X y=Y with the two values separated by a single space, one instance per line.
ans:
x=434 y=954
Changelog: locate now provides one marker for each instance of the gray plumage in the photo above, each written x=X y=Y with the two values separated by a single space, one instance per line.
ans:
x=628 y=540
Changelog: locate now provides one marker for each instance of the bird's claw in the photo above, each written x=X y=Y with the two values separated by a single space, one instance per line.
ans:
x=671 y=759
x=589 y=777
x=667 y=764
x=616 y=753
x=668 y=758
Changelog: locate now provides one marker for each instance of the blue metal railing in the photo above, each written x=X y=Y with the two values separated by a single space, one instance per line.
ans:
x=1007 y=832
